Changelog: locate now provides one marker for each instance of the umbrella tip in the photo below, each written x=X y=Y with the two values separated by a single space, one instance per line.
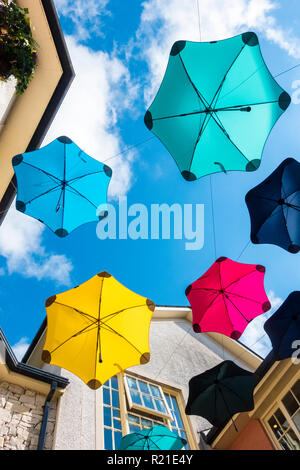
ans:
x=64 y=139
x=94 y=384
x=250 y=39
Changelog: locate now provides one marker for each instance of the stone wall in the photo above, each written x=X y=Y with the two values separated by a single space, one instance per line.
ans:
x=21 y=413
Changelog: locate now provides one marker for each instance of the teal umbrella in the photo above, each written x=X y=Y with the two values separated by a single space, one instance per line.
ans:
x=155 y=438
x=216 y=106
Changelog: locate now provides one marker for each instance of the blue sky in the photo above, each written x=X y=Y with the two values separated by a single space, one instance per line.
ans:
x=120 y=51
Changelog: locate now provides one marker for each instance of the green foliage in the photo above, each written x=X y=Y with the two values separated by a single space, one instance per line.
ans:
x=18 y=52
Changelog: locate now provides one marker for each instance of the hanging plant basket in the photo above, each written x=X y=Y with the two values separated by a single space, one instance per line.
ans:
x=18 y=49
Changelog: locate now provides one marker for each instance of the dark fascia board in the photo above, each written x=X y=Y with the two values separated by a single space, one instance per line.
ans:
x=35 y=341
x=56 y=99
x=23 y=369
x=259 y=374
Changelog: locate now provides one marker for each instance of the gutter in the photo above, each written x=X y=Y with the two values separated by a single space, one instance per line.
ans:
x=45 y=416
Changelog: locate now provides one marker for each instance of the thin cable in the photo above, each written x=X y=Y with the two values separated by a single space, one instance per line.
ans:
x=243 y=250
x=129 y=148
x=213 y=216
x=286 y=71
x=199 y=20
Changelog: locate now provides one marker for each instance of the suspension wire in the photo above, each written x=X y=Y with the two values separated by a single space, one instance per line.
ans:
x=199 y=20
x=286 y=71
x=243 y=250
x=213 y=216
x=127 y=149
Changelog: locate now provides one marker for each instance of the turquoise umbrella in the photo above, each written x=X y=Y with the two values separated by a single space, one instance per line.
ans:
x=61 y=186
x=216 y=106
x=155 y=438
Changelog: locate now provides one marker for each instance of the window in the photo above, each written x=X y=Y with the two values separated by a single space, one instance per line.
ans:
x=145 y=396
x=285 y=421
x=131 y=404
x=111 y=414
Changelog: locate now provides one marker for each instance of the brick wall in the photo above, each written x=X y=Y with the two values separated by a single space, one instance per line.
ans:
x=21 y=413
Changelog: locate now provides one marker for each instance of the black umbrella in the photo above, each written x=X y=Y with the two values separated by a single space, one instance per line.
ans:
x=283 y=327
x=220 y=392
x=274 y=207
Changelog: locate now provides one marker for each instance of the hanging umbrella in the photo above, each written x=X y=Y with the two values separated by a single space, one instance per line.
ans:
x=155 y=438
x=97 y=329
x=274 y=207
x=220 y=392
x=216 y=106
x=228 y=297
x=283 y=327
x=60 y=185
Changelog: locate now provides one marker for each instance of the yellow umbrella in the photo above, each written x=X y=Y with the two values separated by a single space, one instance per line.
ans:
x=97 y=329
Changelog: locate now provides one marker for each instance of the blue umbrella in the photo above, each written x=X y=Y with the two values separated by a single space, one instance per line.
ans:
x=60 y=185
x=156 y=438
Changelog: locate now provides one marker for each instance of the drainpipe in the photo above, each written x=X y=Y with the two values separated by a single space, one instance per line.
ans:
x=45 y=416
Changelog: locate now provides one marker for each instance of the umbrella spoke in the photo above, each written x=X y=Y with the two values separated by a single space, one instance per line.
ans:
x=55 y=178
x=75 y=191
x=120 y=311
x=83 y=176
x=248 y=321
x=43 y=194
x=78 y=311
x=84 y=330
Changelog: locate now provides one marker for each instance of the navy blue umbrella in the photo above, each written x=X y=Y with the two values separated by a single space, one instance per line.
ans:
x=274 y=207
x=60 y=185
x=283 y=327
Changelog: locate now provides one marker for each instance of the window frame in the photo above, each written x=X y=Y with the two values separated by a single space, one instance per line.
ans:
x=135 y=407
x=280 y=405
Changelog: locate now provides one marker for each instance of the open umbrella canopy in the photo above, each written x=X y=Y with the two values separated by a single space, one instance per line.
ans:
x=274 y=207
x=155 y=438
x=228 y=297
x=283 y=327
x=60 y=185
x=216 y=106
x=220 y=392
x=97 y=329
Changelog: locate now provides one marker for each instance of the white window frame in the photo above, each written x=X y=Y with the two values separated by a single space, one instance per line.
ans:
x=135 y=407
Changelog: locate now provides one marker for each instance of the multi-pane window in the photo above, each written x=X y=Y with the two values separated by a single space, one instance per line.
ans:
x=146 y=396
x=111 y=414
x=176 y=423
x=285 y=421
x=143 y=406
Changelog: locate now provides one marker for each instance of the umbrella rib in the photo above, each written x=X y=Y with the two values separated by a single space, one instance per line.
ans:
x=43 y=194
x=200 y=96
x=248 y=321
x=98 y=343
x=73 y=336
x=123 y=310
x=239 y=278
x=112 y=330
x=83 y=176
x=64 y=188
x=233 y=391
x=78 y=311
x=243 y=297
x=79 y=194
x=227 y=408
x=43 y=171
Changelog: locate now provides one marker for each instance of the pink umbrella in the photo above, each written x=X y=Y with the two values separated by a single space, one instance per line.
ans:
x=228 y=297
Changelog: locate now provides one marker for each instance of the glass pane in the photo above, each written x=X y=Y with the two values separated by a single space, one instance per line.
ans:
x=133 y=419
x=177 y=413
x=290 y=403
x=115 y=399
x=108 y=439
x=132 y=383
x=116 y=413
x=296 y=390
x=144 y=387
x=134 y=428
x=118 y=438
x=160 y=406
x=117 y=424
x=107 y=416
x=114 y=383
x=275 y=427
x=168 y=400
x=148 y=402
x=290 y=441
x=146 y=423
x=155 y=391
x=281 y=419
x=106 y=396
x=136 y=397
x=296 y=420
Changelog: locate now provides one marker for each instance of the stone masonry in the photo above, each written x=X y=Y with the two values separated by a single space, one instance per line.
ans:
x=21 y=413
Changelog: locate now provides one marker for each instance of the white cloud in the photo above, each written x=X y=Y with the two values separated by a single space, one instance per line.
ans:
x=20 y=348
x=102 y=90
x=21 y=246
x=86 y=15
x=163 y=23
x=254 y=336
